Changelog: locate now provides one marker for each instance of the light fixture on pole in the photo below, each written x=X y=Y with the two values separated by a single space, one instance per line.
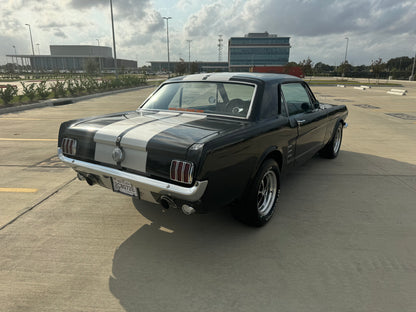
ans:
x=167 y=40
x=114 y=38
x=31 y=40
x=189 y=55
x=98 y=40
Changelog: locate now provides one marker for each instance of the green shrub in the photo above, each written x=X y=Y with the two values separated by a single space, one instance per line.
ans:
x=8 y=93
x=58 y=89
x=79 y=85
x=90 y=84
x=73 y=85
x=42 y=90
x=29 y=90
x=116 y=83
x=105 y=84
x=131 y=81
x=72 y=89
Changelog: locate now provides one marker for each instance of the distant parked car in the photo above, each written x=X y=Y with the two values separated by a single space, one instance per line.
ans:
x=207 y=140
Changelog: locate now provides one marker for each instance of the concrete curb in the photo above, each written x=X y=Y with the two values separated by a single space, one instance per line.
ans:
x=65 y=101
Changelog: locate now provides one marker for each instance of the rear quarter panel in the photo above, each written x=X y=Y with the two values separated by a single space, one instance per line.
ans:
x=335 y=114
x=230 y=162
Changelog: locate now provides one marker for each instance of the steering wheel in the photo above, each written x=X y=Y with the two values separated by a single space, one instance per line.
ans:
x=236 y=107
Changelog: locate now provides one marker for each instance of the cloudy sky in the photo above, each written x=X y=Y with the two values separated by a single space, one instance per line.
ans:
x=318 y=28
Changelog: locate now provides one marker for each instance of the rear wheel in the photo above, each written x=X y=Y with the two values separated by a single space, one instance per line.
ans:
x=331 y=150
x=259 y=204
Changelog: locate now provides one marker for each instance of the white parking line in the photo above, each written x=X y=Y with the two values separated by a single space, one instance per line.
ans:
x=36 y=140
x=17 y=190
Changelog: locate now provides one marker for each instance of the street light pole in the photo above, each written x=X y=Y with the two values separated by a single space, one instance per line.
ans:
x=31 y=40
x=99 y=58
x=15 y=55
x=38 y=48
x=413 y=69
x=114 y=38
x=345 y=58
x=189 y=55
x=167 y=40
x=346 y=50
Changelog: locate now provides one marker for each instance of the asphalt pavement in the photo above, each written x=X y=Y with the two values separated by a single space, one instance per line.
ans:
x=343 y=238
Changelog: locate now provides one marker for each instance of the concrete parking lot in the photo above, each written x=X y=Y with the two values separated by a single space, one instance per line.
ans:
x=343 y=238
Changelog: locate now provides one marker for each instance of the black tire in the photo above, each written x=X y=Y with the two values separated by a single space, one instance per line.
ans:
x=260 y=202
x=331 y=150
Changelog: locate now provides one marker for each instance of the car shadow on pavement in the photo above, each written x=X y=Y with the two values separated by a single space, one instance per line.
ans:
x=333 y=234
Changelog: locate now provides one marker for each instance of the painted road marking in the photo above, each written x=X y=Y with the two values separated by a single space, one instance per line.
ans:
x=21 y=118
x=17 y=190
x=36 y=140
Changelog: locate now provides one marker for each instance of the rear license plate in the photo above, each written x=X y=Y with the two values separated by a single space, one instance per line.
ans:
x=124 y=187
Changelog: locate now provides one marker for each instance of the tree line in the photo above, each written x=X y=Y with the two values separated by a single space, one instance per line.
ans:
x=396 y=68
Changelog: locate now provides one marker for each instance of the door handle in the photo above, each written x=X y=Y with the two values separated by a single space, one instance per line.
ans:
x=300 y=122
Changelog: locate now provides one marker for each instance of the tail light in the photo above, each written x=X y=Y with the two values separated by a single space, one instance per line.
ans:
x=69 y=146
x=181 y=171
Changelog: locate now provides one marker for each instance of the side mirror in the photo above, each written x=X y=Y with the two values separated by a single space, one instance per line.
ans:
x=316 y=104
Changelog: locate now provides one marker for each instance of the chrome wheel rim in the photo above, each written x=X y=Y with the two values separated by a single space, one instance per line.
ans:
x=337 y=140
x=266 y=193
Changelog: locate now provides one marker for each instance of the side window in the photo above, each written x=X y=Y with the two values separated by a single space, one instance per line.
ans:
x=296 y=98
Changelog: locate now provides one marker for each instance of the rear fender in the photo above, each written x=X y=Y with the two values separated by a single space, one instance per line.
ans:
x=272 y=152
x=332 y=127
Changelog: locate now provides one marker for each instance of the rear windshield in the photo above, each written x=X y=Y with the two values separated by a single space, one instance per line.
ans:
x=218 y=98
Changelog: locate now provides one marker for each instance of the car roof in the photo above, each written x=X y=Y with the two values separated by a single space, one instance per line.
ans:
x=228 y=76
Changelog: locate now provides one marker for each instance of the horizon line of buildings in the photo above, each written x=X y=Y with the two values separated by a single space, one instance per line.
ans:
x=254 y=49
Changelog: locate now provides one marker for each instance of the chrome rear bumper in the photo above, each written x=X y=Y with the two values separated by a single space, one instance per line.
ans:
x=146 y=185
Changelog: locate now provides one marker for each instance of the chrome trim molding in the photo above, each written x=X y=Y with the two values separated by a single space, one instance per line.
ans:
x=191 y=194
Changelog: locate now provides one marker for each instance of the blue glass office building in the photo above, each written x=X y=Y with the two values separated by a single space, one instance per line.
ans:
x=257 y=49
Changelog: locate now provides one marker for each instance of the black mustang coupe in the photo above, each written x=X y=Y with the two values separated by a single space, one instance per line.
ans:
x=207 y=140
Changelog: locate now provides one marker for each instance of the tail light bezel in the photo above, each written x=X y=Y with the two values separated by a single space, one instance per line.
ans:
x=69 y=146
x=182 y=171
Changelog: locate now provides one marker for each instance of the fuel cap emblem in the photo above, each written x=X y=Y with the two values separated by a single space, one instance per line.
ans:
x=118 y=154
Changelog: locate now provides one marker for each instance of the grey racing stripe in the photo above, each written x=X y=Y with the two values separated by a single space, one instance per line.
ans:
x=111 y=132
x=136 y=134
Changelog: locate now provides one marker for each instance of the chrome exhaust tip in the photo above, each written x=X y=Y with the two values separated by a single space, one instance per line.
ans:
x=188 y=210
x=167 y=202
x=91 y=179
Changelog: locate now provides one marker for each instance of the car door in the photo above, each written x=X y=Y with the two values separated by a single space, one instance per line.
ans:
x=307 y=117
